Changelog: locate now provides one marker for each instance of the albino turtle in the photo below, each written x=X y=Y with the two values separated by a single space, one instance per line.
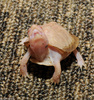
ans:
x=48 y=44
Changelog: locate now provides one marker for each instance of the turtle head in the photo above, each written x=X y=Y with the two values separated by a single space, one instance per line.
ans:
x=38 y=42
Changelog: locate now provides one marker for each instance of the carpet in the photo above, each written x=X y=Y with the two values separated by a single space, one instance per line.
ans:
x=16 y=17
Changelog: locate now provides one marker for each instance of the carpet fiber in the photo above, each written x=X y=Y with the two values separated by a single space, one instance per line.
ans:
x=16 y=16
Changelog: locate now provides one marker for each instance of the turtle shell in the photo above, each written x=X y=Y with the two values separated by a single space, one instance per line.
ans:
x=59 y=38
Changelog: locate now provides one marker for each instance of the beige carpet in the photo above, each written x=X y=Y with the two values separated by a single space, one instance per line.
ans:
x=16 y=16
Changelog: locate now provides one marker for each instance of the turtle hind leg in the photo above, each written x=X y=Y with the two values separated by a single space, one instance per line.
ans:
x=26 y=39
x=79 y=58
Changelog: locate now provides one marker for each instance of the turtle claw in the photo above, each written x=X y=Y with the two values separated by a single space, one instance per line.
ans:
x=25 y=75
x=23 y=71
x=81 y=65
x=55 y=80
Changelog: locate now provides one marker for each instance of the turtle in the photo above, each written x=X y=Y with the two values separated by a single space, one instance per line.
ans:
x=47 y=45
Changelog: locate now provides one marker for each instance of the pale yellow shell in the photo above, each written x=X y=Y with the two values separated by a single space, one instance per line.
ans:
x=59 y=38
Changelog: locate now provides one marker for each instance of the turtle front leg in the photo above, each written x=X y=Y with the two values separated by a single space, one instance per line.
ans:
x=79 y=58
x=55 y=58
x=57 y=73
x=23 y=64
